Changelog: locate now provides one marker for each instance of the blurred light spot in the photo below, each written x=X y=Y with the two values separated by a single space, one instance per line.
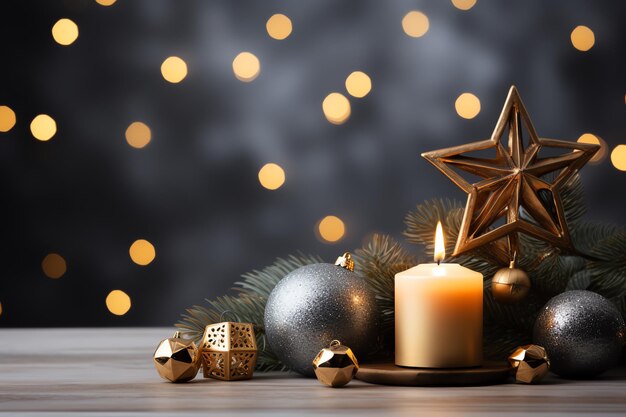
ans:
x=246 y=67
x=582 y=38
x=618 y=157
x=7 y=118
x=0 y=309
x=415 y=24
x=601 y=153
x=105 y=2
x=43 y=127
x=467 y=105
x=358 y=84
x=54 y=265
x=174 y=69
x=336 y=108
x=331 y=228
x=138 y=135
x=271 y=176
x=142 y=252
x=65 y=32
x=118 y=302
x=464 y=4
x=278 y=26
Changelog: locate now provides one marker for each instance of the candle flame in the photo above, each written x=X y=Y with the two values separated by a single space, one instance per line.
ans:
x=440 y=246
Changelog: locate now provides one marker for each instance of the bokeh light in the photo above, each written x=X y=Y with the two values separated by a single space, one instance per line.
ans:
x=7 y=118
x=618 y=157
x=53 y=265
x=358 y=84
x=65 y=32
x=331 y=229
x=336 y=108
x=0 y=309
x=118 y=302
x=582 y=38
x=467 y=105
x=174 y=69
x=138 y=135
x=593 y=139
x=106 y=2
x=43 y=127
x=415 y=24
x=246 y=67
x=142 y=252
x=278 y=26
x=464 y=4
x=271 y=176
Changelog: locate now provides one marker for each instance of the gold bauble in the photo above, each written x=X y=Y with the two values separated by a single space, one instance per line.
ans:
x=176 y=359
x=530 y=363
x=228 y=351
x=335 y=365
x=510 y=285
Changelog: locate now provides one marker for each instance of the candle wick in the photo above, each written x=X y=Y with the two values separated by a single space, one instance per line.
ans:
x=438 y=262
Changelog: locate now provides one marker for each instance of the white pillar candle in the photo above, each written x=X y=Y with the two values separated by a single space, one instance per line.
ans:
x=439 y=314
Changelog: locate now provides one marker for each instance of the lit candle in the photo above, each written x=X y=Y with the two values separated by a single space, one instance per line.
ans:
x=439 y=314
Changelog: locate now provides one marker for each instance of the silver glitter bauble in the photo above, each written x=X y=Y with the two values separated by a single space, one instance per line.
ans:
x=314 y=305
x=582 y=332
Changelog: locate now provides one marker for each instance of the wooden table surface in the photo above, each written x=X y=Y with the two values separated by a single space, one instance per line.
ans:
x=109 y=372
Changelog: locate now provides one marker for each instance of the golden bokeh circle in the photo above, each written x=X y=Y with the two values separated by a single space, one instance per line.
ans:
x=582 y=38
x=618 y=157
x=467 y=105
x=596 y=140
x=138 y=135
x=43 y=127
x=358 y=84
x=142 y=252
x=246 y=67
x=464 y=4
x=174 y=69
x=54 y=266
x=331 y=229
x=118 y=302
x=336 y=108
x=65 y=32
x=415 y=24
x=271 y=176
x=106 y=2
x=7 y=118
x=278 y=26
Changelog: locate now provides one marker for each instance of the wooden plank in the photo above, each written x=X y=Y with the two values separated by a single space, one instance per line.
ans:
x=47 y=372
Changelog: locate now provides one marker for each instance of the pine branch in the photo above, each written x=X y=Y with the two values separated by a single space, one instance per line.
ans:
x=378 y=262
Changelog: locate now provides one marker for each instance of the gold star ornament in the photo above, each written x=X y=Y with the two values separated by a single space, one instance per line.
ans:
x=516 y=185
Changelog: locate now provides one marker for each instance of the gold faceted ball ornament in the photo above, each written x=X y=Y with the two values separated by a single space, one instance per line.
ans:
x=510 y=285
x=335 y=365
x=177 y=359
x=530 y=363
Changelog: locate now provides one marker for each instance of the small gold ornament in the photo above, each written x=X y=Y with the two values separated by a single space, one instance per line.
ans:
x=335 y=365
x=229 y=351
x=176 y=359
x=530 y=363
x=510 y=285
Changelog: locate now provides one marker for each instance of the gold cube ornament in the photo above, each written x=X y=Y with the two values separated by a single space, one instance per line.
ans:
x=176 y=359
x=530 y=363
x=335 y=365
x=229 y=351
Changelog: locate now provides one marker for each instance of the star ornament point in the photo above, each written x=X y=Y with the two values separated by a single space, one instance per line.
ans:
x=517 y=178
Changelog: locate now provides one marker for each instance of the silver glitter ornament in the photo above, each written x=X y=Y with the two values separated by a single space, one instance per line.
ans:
x=316 y=304
x=582 y=332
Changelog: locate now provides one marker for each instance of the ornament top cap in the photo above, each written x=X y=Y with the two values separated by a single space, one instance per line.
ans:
x=345 y=261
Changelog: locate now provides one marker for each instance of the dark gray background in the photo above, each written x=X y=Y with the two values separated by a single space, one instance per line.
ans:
x=193 y=191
